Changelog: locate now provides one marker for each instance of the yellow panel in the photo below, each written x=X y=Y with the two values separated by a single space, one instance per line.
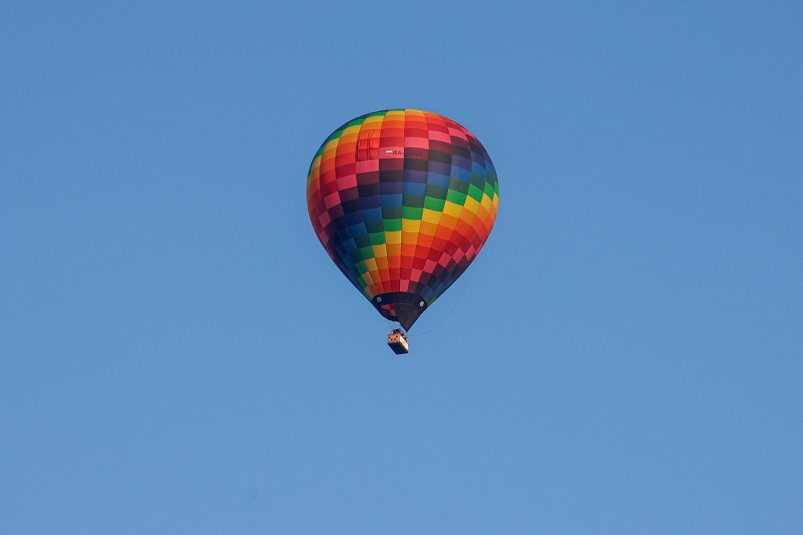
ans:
x=452 y=209
x=380 y=251
x=371 y=264
x=411 y=225
x=486 y=203
x=314 y=170
x=351 y=130
x=431 y=216
x=393 y=237
x=471 y=205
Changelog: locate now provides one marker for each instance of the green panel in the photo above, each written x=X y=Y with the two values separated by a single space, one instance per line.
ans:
x=434 y=204
x=367 y=253
x=475 y=193
x=335 y=135
x=489 y=190
x=378 y=238
x=491 y=177
x=355 y=122
x=392 y=225
x=456 y=197
x=477 y=181
x=413 y=213
x=436 y=192
x=391 y=212
x=361 y=267
x=374 y=227
x=458 y=185
x=413 y=201
x=362 y=241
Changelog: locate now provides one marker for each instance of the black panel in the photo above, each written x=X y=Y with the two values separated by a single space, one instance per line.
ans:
x=408 y=307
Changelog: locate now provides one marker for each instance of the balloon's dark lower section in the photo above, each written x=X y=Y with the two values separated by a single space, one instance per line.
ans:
x=404 y=307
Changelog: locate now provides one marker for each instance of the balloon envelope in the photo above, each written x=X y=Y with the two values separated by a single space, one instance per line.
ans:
x=402 y=200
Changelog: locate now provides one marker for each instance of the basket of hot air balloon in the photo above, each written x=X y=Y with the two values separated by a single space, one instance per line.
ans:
x=403 y=201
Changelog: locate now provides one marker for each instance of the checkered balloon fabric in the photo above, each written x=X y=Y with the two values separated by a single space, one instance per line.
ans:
x=403 y=201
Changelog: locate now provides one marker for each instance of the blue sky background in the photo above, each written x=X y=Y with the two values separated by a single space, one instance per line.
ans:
x=179 y=355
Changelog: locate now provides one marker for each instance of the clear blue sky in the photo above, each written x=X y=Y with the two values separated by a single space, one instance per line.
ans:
x=178 y=355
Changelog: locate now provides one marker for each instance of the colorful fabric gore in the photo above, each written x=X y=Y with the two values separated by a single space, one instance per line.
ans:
x=403 y=201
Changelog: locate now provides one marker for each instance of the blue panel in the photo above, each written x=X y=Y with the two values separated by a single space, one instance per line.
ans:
x=359 y=230
x=477 y=158
x=463 y=174
x=459 y=161
x=439 y=168
x=415 y=176
x=353 y=218
x=438 y=179
x=350 y=245
x=390 y=188
x=344 y=235
x=368 y=203
x=412 y=188
x=391 y=200
x=374 y=214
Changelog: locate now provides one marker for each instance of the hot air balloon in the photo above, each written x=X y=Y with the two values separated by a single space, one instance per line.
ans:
x=403 y=201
